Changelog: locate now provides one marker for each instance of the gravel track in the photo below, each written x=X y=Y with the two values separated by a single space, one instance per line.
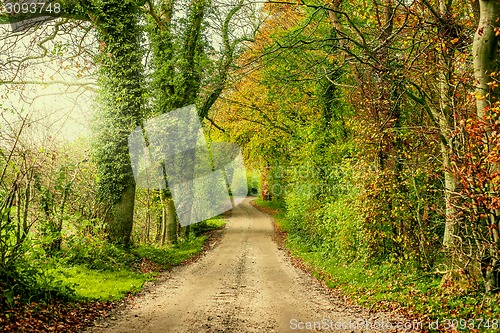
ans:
x=244 y=284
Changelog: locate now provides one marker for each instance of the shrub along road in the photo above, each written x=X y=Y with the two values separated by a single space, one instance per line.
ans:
x=245 y=284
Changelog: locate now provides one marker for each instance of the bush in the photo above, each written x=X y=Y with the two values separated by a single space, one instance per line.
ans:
x=89 y=246
x=25 y=282
x=339 y=227
x=297 y=212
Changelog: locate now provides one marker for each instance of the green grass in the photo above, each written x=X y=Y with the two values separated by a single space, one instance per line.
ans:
x=171 y=256
x=389 y=286
x=100 y=285
x=116 y=281
x=275 y=204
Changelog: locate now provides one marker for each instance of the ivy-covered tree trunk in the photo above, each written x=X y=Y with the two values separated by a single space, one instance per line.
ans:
x=176 y=63
x=174 y=89
x=121 y=102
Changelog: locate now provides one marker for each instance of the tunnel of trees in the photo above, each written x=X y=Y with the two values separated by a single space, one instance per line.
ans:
x=373 y=125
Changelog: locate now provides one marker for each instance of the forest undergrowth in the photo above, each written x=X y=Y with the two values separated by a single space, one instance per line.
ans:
x=389 y=285
x=68 y=290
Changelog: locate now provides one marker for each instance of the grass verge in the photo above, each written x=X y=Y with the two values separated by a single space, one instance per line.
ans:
x=117 y=281
x=89 y=283
x=391 y=287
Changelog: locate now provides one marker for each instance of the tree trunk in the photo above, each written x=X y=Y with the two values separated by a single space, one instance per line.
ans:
x=484 y=51
x=171 y=222
x=445 y=117
x=163 y=225
x=450 y=185
x=264 y=185
x=176 y=84
x=122 y=99
x=121 y=216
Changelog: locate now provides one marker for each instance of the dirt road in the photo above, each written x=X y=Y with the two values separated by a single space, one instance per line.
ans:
x=245 y=284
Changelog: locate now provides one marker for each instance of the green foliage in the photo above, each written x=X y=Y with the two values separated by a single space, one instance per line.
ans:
x=88 y=246
x=382 y=286
x=340 y=230
x=25 y=281
x=253 y=182
x=106 y=272
x=179 y=63
x=90 y=267
x=278 y=206
x=298 y=212
x=214 y=223
x=12 y=241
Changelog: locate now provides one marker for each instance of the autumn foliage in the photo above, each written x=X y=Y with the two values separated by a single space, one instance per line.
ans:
x=377 y=100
